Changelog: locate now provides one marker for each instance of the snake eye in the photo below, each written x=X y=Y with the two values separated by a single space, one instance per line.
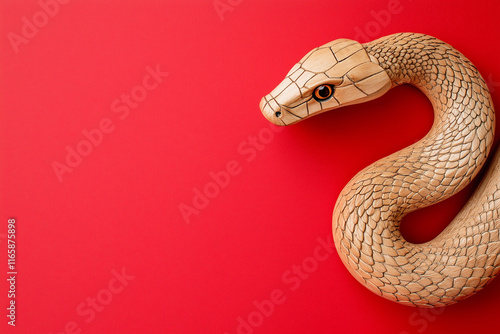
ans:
x=323 y=92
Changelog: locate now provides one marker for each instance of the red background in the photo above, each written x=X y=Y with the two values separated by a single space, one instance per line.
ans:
x=120 y=207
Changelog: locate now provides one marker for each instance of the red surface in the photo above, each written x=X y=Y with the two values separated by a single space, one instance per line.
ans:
x=120 y=207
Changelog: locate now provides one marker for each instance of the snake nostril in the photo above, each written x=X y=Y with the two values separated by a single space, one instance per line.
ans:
x=277 y=114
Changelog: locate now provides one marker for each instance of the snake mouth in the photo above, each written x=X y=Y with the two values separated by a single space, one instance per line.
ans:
x=284 y=115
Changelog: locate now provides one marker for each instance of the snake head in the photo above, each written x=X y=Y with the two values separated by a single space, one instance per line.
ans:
x=336 y=74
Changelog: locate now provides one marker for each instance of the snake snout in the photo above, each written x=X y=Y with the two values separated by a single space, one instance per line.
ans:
x=270 y=110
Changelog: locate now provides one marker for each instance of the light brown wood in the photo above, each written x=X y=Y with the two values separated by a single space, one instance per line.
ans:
x=465 y=256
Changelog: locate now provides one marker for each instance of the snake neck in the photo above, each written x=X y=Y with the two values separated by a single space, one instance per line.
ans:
x=463 y=130
x=368 y=211
x=442 y=73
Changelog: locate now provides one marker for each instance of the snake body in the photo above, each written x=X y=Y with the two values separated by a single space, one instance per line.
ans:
x=463 y=258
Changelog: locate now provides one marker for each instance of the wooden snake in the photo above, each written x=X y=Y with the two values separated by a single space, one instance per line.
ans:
x=463 y=258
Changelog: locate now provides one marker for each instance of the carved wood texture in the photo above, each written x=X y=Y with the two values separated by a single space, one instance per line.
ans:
x=465 y=256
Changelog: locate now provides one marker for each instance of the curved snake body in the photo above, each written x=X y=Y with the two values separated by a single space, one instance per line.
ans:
x=463 y=258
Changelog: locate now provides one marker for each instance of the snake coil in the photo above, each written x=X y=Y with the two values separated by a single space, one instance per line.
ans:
x=463 y=258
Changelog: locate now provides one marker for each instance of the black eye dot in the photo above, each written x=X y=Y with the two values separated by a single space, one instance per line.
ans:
x=277 y=114
x=323 y=92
